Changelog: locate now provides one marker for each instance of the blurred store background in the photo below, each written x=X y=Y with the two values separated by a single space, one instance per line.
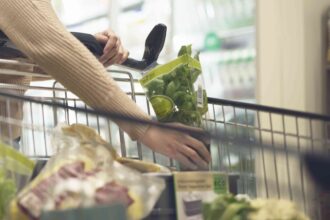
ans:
x=222 y=30
x=269 y=52
x=287 y=37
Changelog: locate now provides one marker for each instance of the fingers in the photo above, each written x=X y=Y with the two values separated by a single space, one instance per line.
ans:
x=185 y=161
x=111 y=41
x=118 y=58
x=125 y=56
x=110 y=50
x=122 y=54
x=187 y=150
x=199 y=147
x=101 y=38
x=196 y=141
x=192 y=156
x=114 y=53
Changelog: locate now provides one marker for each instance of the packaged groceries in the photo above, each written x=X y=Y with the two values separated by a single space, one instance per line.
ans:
x=175 y=90
x=84 y=173
x=228 y=207
x=15 y=172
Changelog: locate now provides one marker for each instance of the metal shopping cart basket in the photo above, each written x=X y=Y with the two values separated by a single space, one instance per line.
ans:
x=254 y=147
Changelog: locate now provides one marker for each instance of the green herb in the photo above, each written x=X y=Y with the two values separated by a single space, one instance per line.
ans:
x=185 y=50
x=226 y=207
x=229 y=207
x=7 y=192
x=178 y=85
x=156 y=87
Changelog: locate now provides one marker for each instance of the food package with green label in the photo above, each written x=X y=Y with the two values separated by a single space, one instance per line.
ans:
x=175 y=90
x=84 y=173
x=15 y=172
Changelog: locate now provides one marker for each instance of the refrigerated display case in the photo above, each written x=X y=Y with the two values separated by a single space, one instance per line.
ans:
x=223 y=31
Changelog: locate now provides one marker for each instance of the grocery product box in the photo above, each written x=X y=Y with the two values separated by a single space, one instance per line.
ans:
x=192 y=189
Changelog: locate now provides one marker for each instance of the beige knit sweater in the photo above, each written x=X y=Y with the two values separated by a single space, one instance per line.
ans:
x=35 y=29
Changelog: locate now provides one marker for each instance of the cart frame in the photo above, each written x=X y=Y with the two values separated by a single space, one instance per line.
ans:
x=253 y=169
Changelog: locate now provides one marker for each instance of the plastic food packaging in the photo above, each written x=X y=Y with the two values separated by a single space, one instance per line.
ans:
x=176 y=91
x=84 y=173
x=15 y=172
x=227 y=206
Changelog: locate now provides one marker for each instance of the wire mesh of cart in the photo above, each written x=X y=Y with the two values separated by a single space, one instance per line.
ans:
x=256 y=151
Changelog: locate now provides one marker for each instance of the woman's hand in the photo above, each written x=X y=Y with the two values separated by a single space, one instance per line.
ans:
x=113 y=52
x=189 y=151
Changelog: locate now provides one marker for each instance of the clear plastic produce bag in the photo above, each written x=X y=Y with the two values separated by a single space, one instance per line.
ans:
x=175 y=90
x=15 y=172
x=84 y=173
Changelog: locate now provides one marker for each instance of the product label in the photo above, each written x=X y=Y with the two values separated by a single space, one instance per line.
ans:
x=169 y=67
x=192 y=189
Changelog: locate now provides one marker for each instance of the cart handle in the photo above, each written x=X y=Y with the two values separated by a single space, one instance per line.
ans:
x=153 y=46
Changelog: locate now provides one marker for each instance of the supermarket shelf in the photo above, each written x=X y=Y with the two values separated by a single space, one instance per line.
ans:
x=212 y=56
x=239 y=32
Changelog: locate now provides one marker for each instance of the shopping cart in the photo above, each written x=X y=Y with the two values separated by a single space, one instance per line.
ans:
x=257 y=145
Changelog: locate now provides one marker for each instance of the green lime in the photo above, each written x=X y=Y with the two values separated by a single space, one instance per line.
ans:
x=162 y=105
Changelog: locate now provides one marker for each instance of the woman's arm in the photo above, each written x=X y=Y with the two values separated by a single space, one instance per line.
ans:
x=35 y=29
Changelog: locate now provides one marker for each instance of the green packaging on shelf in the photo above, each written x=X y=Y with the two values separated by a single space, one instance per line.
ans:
x=175 y=90
x=212 y=41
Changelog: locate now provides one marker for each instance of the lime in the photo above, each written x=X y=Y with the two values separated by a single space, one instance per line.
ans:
x=162 y=105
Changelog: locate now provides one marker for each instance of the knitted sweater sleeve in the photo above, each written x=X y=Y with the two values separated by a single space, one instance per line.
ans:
x=35 y=29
